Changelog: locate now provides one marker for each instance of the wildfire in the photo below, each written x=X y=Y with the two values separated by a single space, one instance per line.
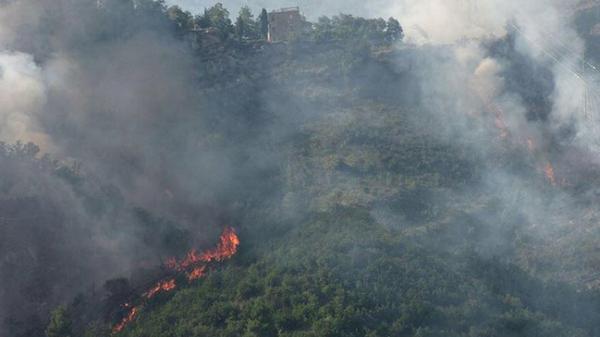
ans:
x=165 y=286
x=549 y=170
x=197 y=273
x=195 y=263
x=504 y=133
x=127 y=319
x=227 y=247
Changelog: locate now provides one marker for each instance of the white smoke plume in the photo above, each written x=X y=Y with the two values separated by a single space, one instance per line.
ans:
x=22 y=96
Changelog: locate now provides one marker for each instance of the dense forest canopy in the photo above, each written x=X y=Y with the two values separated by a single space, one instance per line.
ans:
x=378 y=186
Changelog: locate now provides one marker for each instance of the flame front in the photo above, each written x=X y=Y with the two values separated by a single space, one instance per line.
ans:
x=194 y=265
x=162 y=286
x=227 y=247
x=127 y=319
x=197 y=273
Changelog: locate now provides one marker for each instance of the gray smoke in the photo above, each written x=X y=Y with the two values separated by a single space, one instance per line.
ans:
x=88 y=86
x=22 y=96
x=471 y=95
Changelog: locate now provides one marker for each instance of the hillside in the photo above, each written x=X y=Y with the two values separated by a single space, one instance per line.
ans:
x=377 y=188
x=381 y=231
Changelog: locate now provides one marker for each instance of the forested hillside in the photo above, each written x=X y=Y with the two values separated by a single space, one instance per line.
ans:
x=377 y=188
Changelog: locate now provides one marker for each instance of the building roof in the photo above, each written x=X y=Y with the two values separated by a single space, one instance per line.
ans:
x=286 y=10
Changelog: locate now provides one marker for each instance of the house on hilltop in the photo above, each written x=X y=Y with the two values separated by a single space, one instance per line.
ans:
x=285 y=23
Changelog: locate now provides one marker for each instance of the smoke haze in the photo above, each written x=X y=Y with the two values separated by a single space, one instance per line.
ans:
x=122 y=99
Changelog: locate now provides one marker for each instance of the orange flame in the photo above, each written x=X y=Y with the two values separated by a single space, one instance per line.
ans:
x=161 y=286
x=126 y=320
x=197 y=273
x=549 y=170
x=226 y=248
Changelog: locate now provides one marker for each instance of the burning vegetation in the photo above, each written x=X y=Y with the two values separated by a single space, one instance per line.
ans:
x=194 y=266
x=392 y=201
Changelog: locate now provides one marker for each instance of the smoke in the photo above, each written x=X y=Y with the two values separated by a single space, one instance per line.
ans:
x=151 y=149
x=22 y=87
x=132 y=105
x=544 y=32
x=521 y=99
x=89 y=86
x=22 y=96
x=489 y=97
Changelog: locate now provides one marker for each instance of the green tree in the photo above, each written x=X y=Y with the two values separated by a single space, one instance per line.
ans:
x=202 y=21
x=60 y=324
x=394 y=31
x=263 y=24
x=155 y=6
x=183 y=20
x=349 y=28
x=96 y=329
x=217 y=16
x=151 y=12
x=245 y=24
